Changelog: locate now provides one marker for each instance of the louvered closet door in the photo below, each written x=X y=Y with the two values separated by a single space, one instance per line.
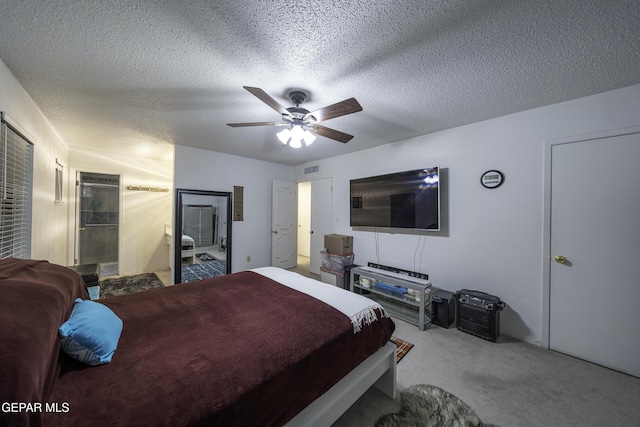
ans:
x=206 y=226
x=198 y=224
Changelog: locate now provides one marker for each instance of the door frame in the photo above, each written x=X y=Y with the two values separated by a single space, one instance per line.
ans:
x=317 y=236
x=176 y=228
x=546 y=234
x=314 y=234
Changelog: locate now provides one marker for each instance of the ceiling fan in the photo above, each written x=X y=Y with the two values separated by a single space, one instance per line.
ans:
x=301 y=123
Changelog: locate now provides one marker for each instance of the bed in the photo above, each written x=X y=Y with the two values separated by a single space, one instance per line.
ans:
x=265 y=347
x=188 y=246
x=188 y=249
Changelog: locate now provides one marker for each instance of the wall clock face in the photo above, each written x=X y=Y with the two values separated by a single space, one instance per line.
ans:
x=492 y=179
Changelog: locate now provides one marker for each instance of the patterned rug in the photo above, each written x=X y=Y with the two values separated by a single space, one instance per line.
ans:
x=403 y=347
x=193 y=272
x=430 y=406
x=129 y=284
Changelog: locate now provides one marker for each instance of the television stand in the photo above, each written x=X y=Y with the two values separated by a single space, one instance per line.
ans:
x=413 y=308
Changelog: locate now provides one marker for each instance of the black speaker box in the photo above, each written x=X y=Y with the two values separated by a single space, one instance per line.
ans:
x=443 y=308
x=478 y=313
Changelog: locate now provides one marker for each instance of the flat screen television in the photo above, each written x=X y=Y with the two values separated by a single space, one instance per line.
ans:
x=408 y=200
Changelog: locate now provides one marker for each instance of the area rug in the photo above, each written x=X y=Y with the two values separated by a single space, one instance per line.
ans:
x=205 y=257
x=425 y=405
x=129 y=284
x=403 y=347
x=193 y=272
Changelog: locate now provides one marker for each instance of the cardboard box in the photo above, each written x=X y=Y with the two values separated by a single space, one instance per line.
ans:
x=338 y=244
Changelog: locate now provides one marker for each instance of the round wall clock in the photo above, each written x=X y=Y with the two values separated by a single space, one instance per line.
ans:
x=492 y=179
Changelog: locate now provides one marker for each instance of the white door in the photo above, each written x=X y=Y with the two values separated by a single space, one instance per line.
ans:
x=321 y=214
x=594 y=286
x=283 y=224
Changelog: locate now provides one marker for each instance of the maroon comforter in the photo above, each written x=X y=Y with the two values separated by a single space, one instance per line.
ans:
x=240 y=350
x=36 y=297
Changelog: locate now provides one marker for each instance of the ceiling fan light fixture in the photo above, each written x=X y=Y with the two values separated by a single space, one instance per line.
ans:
x=308 y=137
x=284 y=136
x=296 y=135
x=295 y=143
x=297 y=132
x=300 y=122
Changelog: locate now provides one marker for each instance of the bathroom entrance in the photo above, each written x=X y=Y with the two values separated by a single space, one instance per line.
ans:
x=97 y=220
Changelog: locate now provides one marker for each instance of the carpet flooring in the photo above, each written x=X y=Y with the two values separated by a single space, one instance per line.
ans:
x=507 y=383
x=129 y=284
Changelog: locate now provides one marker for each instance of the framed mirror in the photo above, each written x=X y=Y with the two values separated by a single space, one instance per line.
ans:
x=202 y=235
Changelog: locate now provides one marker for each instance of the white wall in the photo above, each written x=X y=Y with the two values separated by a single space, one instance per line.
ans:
x=142 y=246
x=492 y=240
x=49 y=220
x=197 y=169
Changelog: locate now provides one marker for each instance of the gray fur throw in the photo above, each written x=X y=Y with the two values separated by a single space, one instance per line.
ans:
x=430 y=406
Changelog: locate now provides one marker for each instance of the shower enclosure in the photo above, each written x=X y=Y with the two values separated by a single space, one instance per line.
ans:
x=98 y=220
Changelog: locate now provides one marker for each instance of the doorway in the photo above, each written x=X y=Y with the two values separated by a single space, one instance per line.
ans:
x=314 y=221
x=97 y=221
x=594 y=247
x=304 y=227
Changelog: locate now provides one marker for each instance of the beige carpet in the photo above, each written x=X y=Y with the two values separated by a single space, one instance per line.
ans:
x=508 y=383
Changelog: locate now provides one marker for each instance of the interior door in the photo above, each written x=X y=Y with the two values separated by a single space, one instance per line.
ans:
x=595 y=250
x=321 y=215
x=284 y=210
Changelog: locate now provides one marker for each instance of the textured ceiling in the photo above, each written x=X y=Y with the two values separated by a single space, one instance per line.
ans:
x=128 y=75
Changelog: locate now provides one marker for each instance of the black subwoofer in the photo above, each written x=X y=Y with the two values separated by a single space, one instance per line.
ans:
x=478 y=313
x=443 y=308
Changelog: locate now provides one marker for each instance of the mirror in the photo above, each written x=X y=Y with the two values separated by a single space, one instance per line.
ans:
x=202 y=235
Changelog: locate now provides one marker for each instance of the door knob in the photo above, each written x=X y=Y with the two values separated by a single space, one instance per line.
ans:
x=560 y=259
x=311 y=232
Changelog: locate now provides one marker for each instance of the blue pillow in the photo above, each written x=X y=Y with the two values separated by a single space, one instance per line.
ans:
x=92 y=333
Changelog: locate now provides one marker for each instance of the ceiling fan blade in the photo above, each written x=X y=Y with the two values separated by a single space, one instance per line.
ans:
x=341 y=108
x=264 y=97
x=333 y=134
x=239 y=125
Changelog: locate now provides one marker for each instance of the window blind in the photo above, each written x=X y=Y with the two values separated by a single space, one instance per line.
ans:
x=16 y=187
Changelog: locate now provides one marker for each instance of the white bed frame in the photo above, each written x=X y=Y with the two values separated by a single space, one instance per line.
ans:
x=379 y=369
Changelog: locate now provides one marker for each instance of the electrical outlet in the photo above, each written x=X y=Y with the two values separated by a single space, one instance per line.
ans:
x=248 y=259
